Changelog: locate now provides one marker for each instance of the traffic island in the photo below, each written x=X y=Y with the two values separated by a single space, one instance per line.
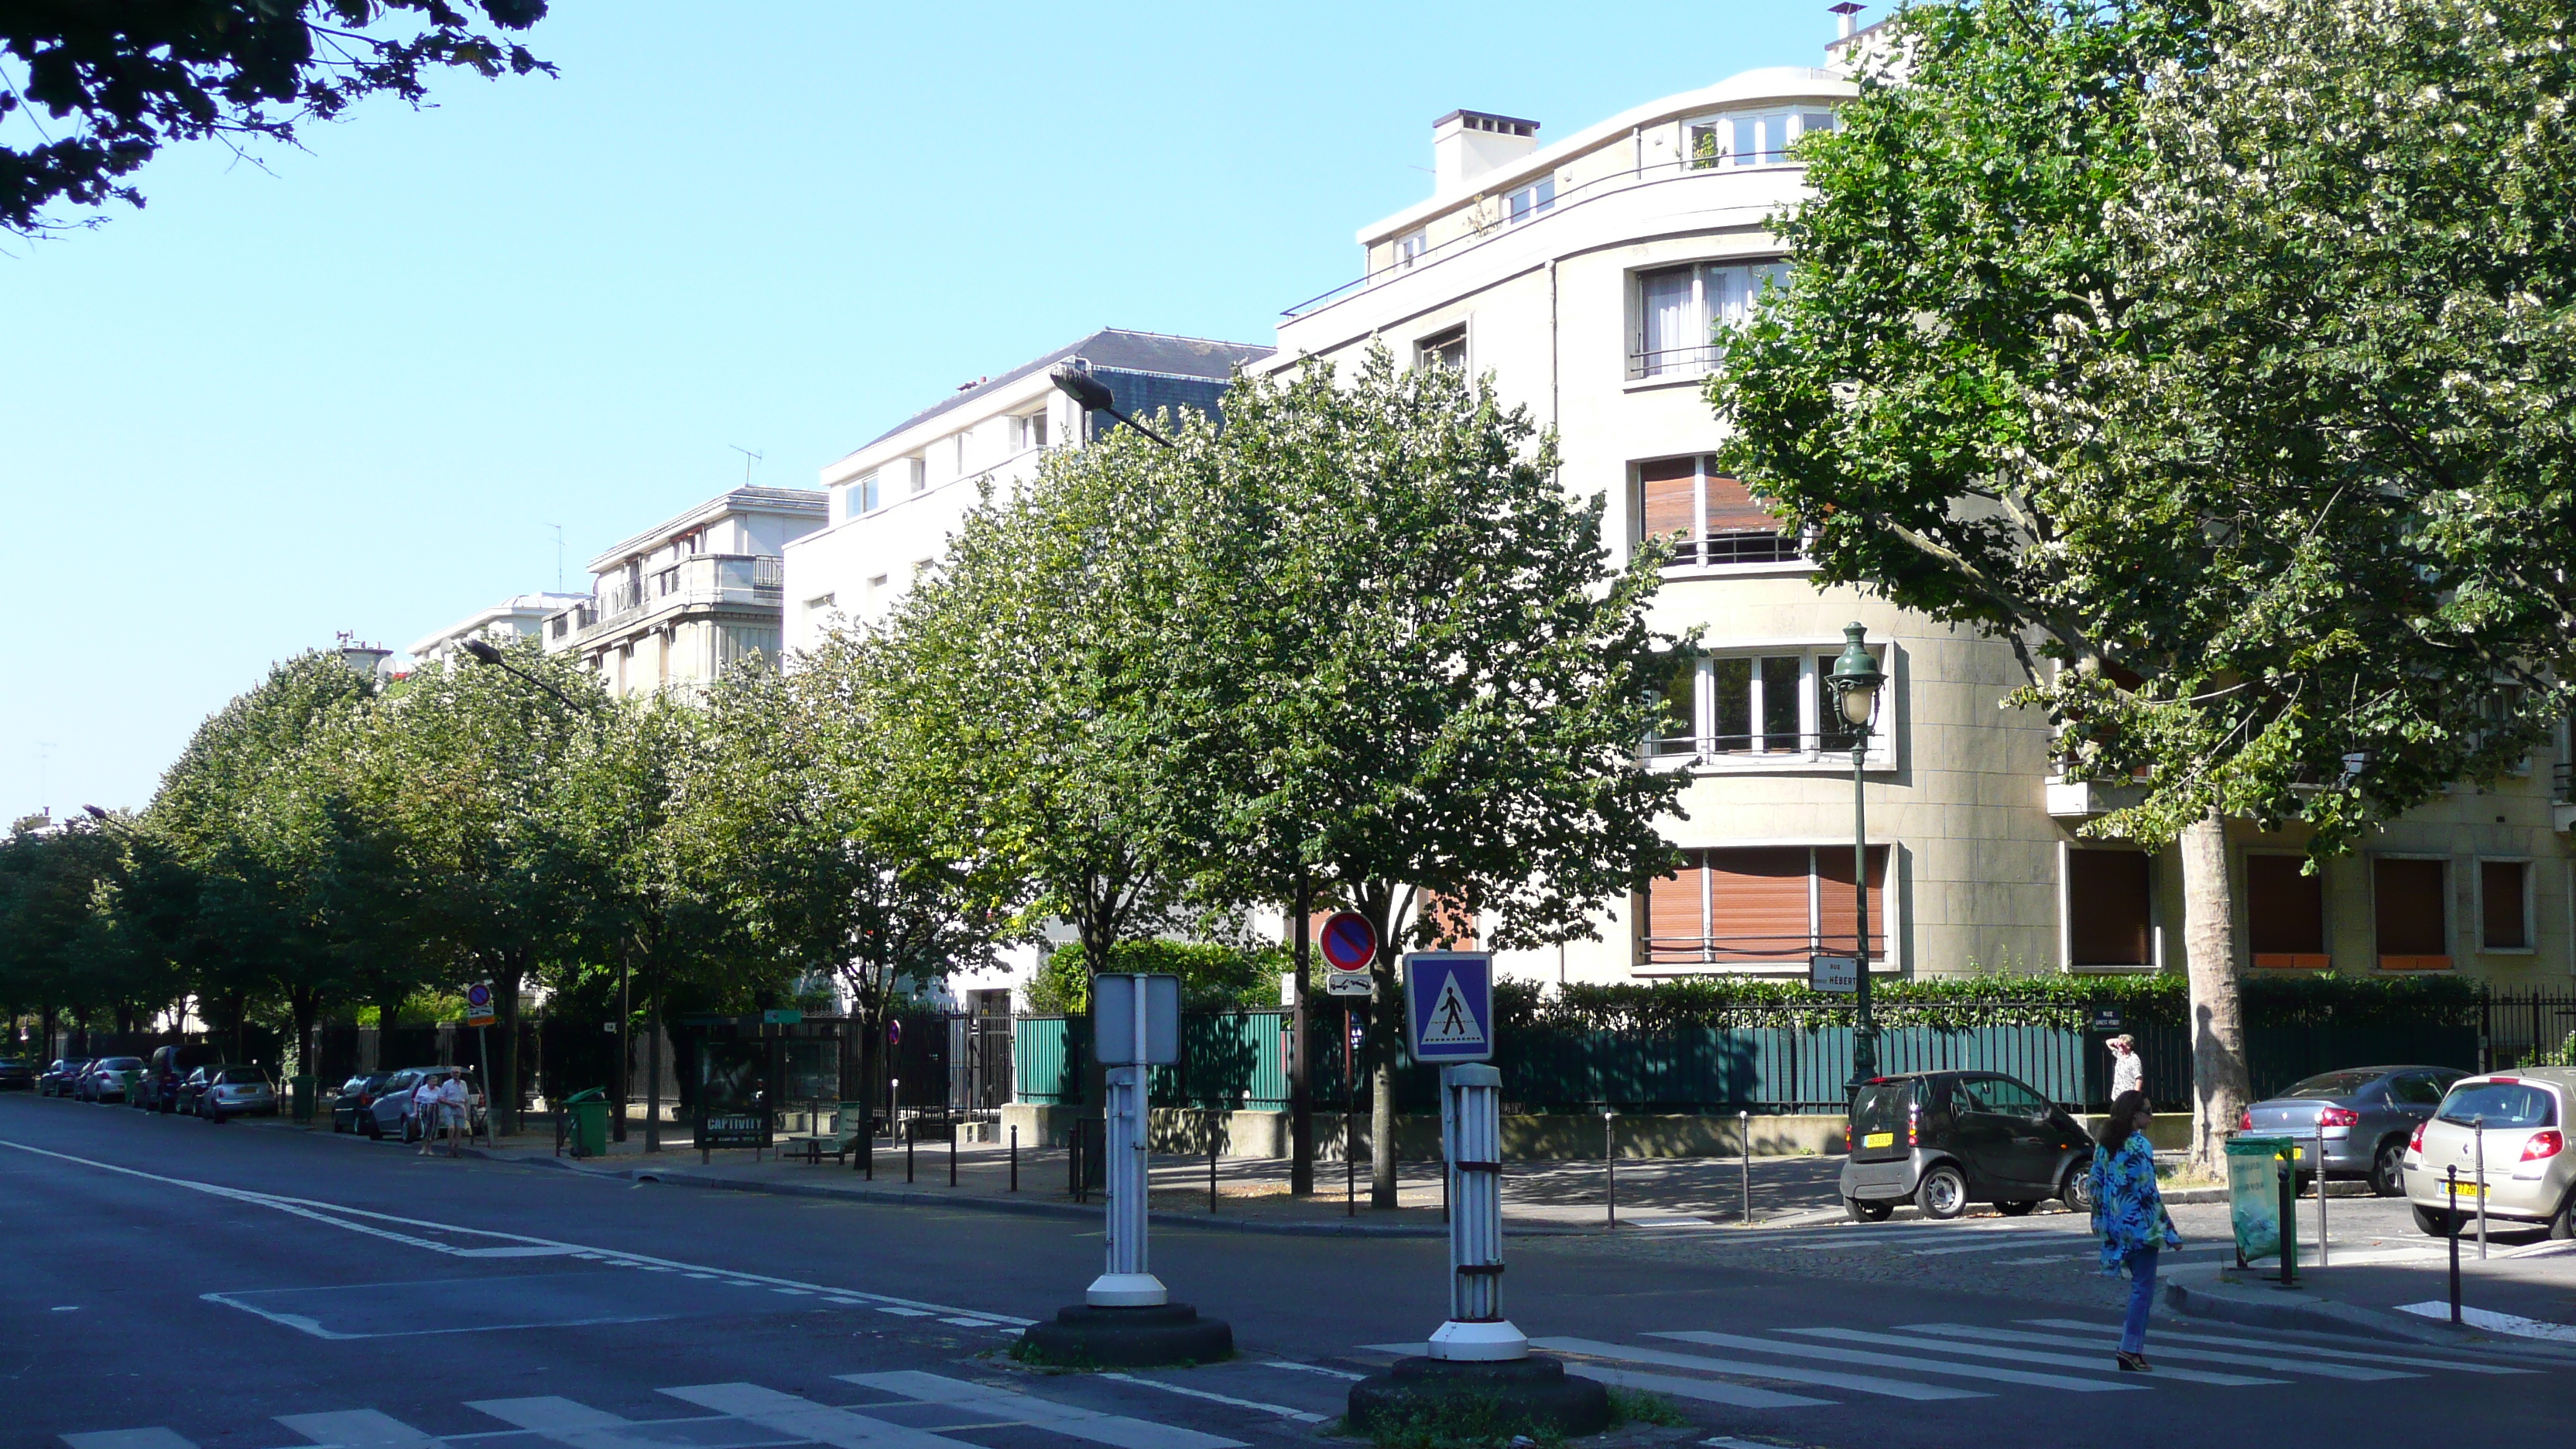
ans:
x=1469 y=1400
x=1144 y=1336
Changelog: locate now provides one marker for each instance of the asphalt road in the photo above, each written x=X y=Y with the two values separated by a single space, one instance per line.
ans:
x=173 y=1284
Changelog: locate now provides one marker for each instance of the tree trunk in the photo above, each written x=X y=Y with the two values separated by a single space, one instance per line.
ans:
x=1382 y=1116
x=2220 y=1085
x=306 y=1004
x=503 y=1106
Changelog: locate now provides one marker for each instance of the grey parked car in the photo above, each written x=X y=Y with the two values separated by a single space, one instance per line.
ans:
x=2368 y=1114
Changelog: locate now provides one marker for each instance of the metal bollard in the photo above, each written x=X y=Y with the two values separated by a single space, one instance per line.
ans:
x=1744 y=1129
x=908 y=1135
x=1211 y=1162
x=1350 y=1164
x=868 y=1146
x=2321 y=1189
x=1610 y=1165
x=2451 y=1176
x=952 y=1152
x=1015 y=1157
x=1471 y=1141
x=2478 y=1125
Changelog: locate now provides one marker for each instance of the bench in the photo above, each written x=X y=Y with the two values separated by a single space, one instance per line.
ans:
x=849 y=1120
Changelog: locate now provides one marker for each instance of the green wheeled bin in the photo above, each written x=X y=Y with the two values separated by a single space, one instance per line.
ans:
x=586 y=1123
x=2258 y=1203
x=299 y=1092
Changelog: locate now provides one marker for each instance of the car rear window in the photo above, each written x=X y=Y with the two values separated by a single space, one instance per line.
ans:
x=1880 y=1106
x=2332 y=1084
x=242 y=1077
x=123 y=1064
x=2501 y=1104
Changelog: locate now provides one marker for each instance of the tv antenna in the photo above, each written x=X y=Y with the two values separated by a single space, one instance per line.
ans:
x=558 y=528
x=748 y=458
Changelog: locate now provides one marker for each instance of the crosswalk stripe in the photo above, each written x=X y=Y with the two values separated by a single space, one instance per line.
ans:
x=357 y=1429
x=805 y=1419
x=1282 y=1410
x=128 y=1439
x=2017 y=1355
x=1785 y=1373
x=2165 y=1335
x=565 y=1422
x=1012 y=1406
x=1706 y=1390
x=1898 y=1361
x=2273 y=1362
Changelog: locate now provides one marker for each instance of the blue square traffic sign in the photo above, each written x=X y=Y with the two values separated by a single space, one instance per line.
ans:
x=1449 y=1006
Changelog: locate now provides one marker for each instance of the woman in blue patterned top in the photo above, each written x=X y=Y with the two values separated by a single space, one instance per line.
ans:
x=2130 y=1215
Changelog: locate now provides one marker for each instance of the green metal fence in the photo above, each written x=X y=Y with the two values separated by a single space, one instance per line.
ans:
x=1230 y=1059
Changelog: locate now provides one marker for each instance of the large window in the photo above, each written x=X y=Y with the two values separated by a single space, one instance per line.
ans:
x=2110 y=909
x=1761 y=905
x=2410 y=910
x=1445 y=348
x=1758 y=707
x=1681 y=311
x=2285 y=914
x=1711 y=519
x=2504 y=905
x=1758 y=138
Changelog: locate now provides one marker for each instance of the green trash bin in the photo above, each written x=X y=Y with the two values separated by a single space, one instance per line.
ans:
x=586 y=1123
x=2256 y=1197
x=299 y=1091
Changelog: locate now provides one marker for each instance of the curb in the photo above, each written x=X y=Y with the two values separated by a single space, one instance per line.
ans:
x=2328 y=1316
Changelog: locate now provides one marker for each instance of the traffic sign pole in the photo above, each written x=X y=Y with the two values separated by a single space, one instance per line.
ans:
x=1471 y=1139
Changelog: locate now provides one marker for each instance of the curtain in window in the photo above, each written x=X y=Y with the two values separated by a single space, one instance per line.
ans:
x=1670 y=333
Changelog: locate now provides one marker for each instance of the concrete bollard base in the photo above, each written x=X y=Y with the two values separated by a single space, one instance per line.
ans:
x=1084 y=1336
x=1505 y=1397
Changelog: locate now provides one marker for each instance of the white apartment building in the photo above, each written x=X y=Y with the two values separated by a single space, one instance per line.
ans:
x=521 y=617
x=1593 y=278
x=685 y=600
x=896 y=500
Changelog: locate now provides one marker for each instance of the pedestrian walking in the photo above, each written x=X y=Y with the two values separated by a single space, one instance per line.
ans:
x=424 y=1111
x=2128 y=1072
x=2129 y=1213
x=454 y=1110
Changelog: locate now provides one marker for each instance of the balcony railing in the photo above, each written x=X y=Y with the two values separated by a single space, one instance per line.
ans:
x=1674 y=361
x=1757 y=950
x=1747 y=547
x=715 y=578
x=1778 y=748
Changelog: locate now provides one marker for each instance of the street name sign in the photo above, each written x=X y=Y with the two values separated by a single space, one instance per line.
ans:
x=1349 y=944
x=1833 y=973
x=1449 y=1006
x=782 y=1016
x=478 y=1005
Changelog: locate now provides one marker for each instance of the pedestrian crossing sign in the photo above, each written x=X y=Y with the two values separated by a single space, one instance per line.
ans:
x=1449 y=1006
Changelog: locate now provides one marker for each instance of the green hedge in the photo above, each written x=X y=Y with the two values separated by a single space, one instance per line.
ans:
x=1214 y=977
x=1961 y=1003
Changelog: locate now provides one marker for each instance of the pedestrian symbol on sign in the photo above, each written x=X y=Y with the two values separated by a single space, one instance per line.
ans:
x=1449 y=996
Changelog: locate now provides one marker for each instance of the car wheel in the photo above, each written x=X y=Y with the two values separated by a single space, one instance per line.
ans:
x=2077 y=1191
x=2015 y=1209
x=1943 y=1192
x=1864 y=1210
x=2388 y=1169
x=370 y=1128
x=411 y=1129
x=2562 y=1223
x=2436 y=1221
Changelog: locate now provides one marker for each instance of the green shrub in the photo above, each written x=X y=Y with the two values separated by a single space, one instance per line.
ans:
x=1214 y=976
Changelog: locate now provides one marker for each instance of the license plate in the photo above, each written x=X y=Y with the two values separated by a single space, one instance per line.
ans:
x=1879 y=1139
x=2467 y=1189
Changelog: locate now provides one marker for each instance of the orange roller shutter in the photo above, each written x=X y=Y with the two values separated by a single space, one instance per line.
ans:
x=1666 y=497
x=1834 y=906
x=1731 y=509
x=1757 y=904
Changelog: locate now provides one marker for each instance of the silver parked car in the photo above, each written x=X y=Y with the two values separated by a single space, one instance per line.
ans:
x=236 y=1092
x=392 y=1113
x=2516 y=1123
x=2369 y=1114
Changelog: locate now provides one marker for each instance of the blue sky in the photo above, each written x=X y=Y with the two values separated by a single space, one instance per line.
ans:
x=355 y=387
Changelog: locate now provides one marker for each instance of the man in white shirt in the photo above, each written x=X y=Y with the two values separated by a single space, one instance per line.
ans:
x=2128 y=1073
x=451 y=1099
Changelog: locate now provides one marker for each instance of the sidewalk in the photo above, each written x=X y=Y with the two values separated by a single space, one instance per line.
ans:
x=1539 y=1198
x=2520 y=1300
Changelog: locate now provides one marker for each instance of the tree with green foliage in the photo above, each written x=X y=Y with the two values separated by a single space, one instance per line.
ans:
x=2157 y=340
x=119 y=82
x=1215 y=975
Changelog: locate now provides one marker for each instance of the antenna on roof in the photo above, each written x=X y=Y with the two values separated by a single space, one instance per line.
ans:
x=748 y=458
x=558 y=528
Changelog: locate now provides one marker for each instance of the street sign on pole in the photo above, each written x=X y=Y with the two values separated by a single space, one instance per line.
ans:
x=1833 y=973
x=1349 y=944
x=782 y=1016
x=478 y=1005
x=1449 y=1006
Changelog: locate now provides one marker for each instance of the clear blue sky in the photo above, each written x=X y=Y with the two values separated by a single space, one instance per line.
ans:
x=354 y=387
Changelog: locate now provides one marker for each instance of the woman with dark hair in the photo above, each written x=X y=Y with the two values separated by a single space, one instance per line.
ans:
x=2130 y=1215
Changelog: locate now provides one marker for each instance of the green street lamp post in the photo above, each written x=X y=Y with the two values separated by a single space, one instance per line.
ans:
x=1856 y=680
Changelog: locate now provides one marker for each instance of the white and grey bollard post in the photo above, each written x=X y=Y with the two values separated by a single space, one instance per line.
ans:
x=1127 y=1280
x=1471 y=1131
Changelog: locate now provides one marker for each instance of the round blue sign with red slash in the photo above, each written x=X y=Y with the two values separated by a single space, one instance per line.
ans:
x=1349 y=941
x=894 y=1031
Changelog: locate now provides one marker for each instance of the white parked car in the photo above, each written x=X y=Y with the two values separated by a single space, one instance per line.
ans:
x=2518 y=1123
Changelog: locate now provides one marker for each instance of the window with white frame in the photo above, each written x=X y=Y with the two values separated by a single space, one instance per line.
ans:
x=1445 y=348
x=1530 y=201
x=1711 y=518
x=1411 y=246
x=1029 y=430
x=1757 y=707
x=1751 y=138
x=863 y=495
x=1680 y=315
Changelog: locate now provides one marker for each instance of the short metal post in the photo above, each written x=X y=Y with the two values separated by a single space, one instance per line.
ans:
x=952 y=1152
x=1015 y=1157
x=2451 y=1176
x=868 y=1143
x=2478 y=1127
x=1350 y=1163
x=1744 y=1131
x=2321 y=1189
x=1211 y=1121
x=1610 y=1164
x=907 y=1151
x=2289 y=1162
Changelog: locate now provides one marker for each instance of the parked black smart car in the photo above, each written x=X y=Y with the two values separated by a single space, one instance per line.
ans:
x=1944 y=1140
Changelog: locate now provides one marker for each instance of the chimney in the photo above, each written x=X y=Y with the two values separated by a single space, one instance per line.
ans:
x=1845 y=12
x=1467 y=144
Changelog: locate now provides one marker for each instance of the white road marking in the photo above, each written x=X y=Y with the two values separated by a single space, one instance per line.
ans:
x=1898 y=1361
x=1785 y=1373
x=358 y=1429
x=805 y=1419
x=2274 y=1362
x=565 y=1422
x=2166 y=1335
x=2095 y=1364
x=1282 y=1410
x=2494 y=1322
x=334 y=1215
x=128 y=1439
x=1711 y=1391
x=1013 y=1407
x=1312 y=1368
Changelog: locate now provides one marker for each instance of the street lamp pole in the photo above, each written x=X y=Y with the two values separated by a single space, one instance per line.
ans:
x=1094 y=396
x=1856 y=680
x=482 y=652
